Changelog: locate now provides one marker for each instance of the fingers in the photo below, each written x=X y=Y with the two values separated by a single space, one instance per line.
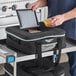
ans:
x=30 y=6
x=57 y=20
x=53 y=22
x=33 y=6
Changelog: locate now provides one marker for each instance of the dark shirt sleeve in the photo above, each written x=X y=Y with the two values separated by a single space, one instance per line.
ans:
x=75 y=3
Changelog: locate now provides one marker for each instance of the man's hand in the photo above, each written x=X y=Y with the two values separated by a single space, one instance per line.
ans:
x=57 y=20
x=37 y=4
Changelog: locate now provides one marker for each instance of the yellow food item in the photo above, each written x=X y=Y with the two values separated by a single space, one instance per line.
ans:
x=47 y=22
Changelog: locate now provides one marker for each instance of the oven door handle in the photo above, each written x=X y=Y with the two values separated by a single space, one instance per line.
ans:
x=4 y=16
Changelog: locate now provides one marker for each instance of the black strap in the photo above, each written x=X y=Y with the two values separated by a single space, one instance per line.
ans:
x=39 y=54
x=57 y=53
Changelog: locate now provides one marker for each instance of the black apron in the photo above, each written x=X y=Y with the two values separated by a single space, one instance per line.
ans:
x=56 y=7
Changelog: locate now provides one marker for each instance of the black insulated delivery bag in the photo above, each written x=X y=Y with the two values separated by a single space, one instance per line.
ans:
x=25 y=42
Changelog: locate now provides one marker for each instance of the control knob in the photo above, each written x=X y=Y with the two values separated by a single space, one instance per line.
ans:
x=26 y=5
x=4 y=8
x=14 y=7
